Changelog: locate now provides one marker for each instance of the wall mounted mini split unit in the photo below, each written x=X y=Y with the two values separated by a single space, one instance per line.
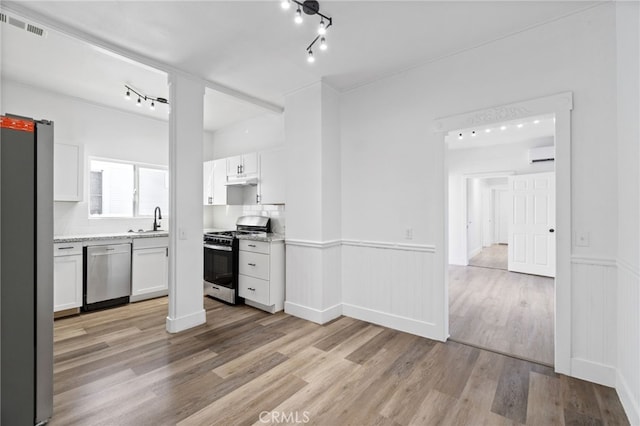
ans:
x=542 y=153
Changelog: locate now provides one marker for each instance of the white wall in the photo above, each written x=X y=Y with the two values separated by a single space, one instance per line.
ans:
x=391 y=156
x=253 y=135
x=102 y=132
x=628 y=260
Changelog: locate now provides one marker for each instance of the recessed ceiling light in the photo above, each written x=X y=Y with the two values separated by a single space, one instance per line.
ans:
x=503 y=127
x=487 y=130
x=520 y=126
x=536 y=122
x=285 y=4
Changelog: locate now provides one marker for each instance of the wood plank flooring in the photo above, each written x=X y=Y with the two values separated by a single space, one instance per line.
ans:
x=502 y=311
x=247 y=367
x=496 y=256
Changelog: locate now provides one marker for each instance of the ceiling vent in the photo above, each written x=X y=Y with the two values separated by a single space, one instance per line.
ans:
x=541 y=154
x=33 y=29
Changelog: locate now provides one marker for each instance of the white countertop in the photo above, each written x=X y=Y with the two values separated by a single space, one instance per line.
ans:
x=108 y=236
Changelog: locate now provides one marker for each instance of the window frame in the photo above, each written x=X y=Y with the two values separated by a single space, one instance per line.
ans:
x=136 y=186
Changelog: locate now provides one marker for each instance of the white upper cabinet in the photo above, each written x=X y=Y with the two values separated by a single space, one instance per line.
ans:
x=272 y=184
x=207 y=183
x=68 y=165
x=219 y=182
x=242 y=166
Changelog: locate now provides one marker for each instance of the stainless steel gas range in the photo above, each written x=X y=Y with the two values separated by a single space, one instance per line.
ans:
x=221 y=257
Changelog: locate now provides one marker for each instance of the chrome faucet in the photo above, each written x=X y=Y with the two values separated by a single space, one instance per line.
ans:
x=156 y=222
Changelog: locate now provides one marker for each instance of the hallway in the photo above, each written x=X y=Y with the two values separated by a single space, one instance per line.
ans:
x=502 y=311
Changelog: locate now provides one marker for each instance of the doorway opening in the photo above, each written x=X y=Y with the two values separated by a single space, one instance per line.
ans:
x=502 y=246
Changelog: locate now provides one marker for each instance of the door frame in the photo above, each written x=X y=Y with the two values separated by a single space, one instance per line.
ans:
x=560 y=105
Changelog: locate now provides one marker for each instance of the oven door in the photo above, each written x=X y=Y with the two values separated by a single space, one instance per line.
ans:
x=218 y=265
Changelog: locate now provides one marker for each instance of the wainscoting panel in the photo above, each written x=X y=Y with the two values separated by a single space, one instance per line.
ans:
x=391 y=285
x=628 y=379
x=593 y=319
x=313 y=281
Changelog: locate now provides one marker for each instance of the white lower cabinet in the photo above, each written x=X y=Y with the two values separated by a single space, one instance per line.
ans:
x=67 y=276
x=149 y=268
x=261 y=274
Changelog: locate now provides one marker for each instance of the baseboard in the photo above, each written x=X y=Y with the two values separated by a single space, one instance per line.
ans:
x=630 y=406
x=475 y=252
x=151 y=295
x=176 y=325
x=312 y=314
x=593 y=372
x=408 y=325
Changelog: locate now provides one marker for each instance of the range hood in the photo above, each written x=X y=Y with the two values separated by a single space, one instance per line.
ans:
x=248 y=181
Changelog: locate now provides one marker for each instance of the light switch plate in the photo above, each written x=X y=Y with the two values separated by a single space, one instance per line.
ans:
x=581 y=239
x=182 y=234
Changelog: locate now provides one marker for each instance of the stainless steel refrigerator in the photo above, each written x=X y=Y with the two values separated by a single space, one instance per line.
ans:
x=26 y=271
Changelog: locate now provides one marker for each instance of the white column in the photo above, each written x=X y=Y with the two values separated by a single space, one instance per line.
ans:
x=312 y=138
x=186 y=304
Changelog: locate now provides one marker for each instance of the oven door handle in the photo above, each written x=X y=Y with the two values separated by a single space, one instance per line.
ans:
x=213 y=247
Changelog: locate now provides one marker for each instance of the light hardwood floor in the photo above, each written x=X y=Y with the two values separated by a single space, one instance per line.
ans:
x=120 y=367
x=503 y=311
x=494 y=256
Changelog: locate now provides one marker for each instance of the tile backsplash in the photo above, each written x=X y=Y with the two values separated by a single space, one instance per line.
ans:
x=224 y=217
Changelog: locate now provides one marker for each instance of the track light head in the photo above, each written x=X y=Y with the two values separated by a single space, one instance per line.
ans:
x=127 y=96
x=322 y=28
x=152 y=106
x=310 y=57
x=298 y=18
x=139 y=102
x=323 y=44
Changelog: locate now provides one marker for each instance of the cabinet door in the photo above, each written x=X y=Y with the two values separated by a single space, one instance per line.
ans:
x=272 y=186
x=67 y=282
x=250 y=164
x=207 y=183
x=68 y=163
x=219 y=181
x=149 y=270
x=233 y=165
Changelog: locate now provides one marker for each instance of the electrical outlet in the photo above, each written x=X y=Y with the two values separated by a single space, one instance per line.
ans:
x=581 y=239
x=408 y=234
x=182 y=234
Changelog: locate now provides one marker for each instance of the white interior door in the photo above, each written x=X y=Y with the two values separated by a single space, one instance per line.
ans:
x=532 y=238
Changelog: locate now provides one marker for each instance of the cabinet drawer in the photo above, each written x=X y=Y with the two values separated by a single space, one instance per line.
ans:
x=255 y=246
x=254 y=264
x=67 y=249
x=150 y=242
x=254 y=289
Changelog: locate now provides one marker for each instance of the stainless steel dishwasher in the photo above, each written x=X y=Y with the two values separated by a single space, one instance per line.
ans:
x=107 y=276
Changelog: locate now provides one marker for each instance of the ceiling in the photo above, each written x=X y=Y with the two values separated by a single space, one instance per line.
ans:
x=251 y=46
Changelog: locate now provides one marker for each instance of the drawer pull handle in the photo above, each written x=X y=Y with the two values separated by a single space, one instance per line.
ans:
x=252 y=245
x=251 y=264
x=252 y=289
x=65 y=248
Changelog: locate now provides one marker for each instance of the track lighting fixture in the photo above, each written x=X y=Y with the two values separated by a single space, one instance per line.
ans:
x=298 y=18
x=143 y=97
x=311 y=7
x=323 y=44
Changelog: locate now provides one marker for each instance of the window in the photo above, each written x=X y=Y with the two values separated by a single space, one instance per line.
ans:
x=120 y=189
